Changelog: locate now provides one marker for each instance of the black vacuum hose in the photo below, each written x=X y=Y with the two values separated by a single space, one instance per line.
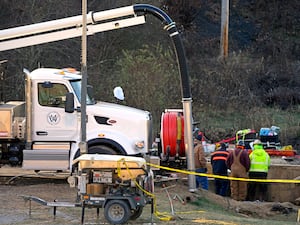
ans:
x=174 y=34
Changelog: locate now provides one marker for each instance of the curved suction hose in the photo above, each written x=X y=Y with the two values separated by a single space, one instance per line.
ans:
x=185 y=85
x=174 y=34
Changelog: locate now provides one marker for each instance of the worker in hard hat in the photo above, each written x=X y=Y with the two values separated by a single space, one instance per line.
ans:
x=239 y=163
x=259 y=167
x=218 y=162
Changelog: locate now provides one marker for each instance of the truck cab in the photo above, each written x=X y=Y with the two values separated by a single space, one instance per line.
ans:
x=53 y=131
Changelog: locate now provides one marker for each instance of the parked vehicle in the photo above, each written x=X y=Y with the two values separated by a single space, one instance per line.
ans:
x=43 y=132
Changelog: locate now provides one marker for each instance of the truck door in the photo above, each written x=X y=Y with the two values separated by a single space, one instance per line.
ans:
x=50 y=121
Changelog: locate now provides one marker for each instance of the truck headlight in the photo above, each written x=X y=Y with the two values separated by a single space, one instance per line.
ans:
x=140 y=144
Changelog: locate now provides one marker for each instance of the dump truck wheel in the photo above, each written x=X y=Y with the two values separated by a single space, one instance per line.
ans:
x=117 y=212
x=136 y=213
x=101 y=149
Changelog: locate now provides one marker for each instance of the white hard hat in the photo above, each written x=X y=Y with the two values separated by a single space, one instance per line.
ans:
x=257 y=142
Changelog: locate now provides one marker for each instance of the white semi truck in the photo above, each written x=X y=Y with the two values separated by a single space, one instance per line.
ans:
x=44 y=131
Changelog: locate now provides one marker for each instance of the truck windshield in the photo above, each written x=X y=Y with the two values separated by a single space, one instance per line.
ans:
x=76 y=84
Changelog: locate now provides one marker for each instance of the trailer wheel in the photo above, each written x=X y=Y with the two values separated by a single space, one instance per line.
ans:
x=117 y=212
x=101 y=149
x=136 y=213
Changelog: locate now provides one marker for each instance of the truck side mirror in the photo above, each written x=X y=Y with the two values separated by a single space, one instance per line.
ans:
x=90 y=92
x=69 y=105
x=118 y=93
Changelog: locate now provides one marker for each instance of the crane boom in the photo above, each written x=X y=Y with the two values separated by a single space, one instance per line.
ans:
x=67 y=28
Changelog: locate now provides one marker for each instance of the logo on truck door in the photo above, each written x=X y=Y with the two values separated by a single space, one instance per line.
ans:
x=53 y=118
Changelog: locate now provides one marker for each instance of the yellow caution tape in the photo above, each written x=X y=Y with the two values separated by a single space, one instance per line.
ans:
x=164 y=216
x=225 y=177
x=214 y=222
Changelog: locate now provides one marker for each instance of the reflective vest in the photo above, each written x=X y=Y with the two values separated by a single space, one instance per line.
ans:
x=260 y=160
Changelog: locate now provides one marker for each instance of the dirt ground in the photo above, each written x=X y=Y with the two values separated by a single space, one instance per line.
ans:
x=203 y=207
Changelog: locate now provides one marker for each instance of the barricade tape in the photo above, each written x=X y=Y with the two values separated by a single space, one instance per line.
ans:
x=164 y=216
x=225 y=177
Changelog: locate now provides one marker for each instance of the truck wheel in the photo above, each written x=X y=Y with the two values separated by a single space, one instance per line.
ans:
x=101 y=149
x=136 y=213
x=117 y=212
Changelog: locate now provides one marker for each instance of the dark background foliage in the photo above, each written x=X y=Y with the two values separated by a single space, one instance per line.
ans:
x=256 y=86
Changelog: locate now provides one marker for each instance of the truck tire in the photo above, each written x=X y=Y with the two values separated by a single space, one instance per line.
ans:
x=136 y=213
x=117 y=212
x=101 y=149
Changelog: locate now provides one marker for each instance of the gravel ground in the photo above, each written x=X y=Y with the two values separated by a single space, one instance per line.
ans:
x=15 y=211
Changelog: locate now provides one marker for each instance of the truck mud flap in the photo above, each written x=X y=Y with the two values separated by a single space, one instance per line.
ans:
x=46 y=159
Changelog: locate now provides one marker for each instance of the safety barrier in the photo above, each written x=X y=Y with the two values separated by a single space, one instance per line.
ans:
x=225 y=177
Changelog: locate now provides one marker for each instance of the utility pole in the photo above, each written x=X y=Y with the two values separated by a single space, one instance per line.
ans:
x=224 y=29
x=83 y=145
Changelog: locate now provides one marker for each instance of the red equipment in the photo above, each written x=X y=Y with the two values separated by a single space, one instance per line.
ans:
x=172 y=133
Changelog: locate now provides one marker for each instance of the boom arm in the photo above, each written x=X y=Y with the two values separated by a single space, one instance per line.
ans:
x=67 y=28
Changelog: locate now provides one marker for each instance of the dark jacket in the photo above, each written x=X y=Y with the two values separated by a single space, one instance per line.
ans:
x=218 y=161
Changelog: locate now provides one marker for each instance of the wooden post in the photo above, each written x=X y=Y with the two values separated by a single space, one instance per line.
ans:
x=224 y=29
